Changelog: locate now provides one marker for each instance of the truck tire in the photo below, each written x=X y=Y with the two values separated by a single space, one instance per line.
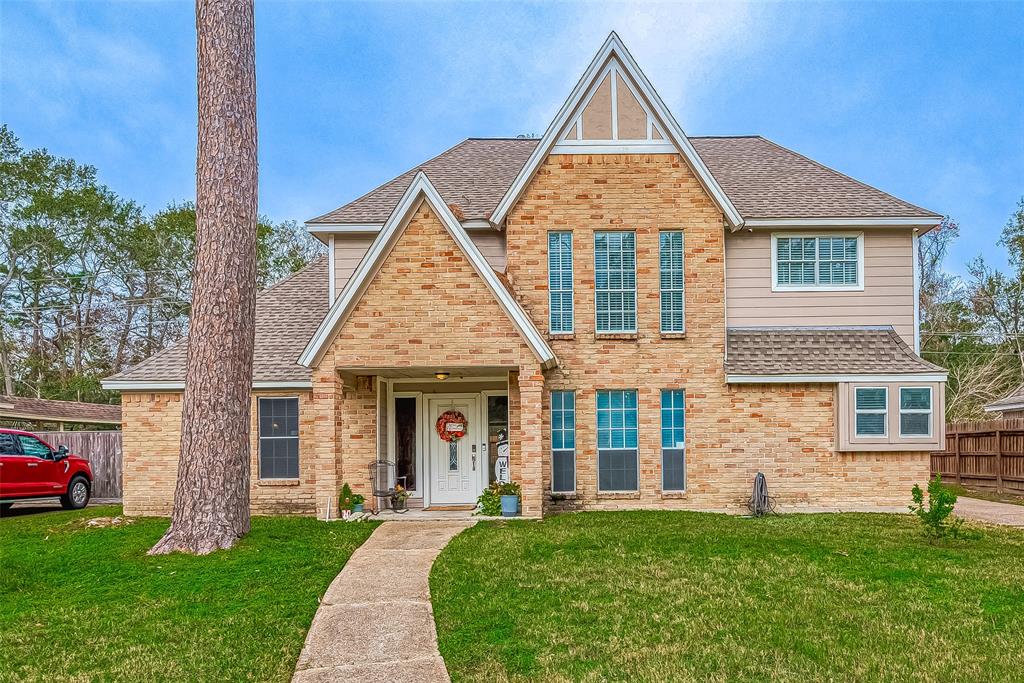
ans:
x=77 y=496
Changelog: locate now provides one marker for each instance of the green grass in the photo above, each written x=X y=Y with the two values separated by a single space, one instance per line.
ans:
x=83 y=604
x=677 y=596
x=985 y=495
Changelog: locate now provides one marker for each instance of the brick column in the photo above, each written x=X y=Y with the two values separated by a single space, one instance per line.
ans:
x=530 y=473
x=326 y=449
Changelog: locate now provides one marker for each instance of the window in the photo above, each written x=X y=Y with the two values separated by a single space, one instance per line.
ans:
x=7 y=445
x=672 y=300
x=673 y=440
x=817 y=262
x=871 y=409
x=617 y=455
x=560 y=282
x=615 y=281
x=279 y=438
x=915 y=411
x=34 y=447
x=563 y=441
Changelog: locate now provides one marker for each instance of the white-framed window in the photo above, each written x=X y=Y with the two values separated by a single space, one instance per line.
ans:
x=560 y=282
x=278 y=423
x=871 y=411
x=673 y=440
x=563 y=441
x=618 y=456
x=615 y=281
x=670 y=247
x=832 y=262
x=915 y=411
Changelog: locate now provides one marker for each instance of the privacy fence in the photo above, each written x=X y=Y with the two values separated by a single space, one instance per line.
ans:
x=983 y=455
x=102 y=450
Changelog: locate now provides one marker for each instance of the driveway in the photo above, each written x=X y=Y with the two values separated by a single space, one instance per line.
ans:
x=989 y=511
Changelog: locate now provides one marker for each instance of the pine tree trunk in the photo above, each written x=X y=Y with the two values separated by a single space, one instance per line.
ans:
x=211 y=500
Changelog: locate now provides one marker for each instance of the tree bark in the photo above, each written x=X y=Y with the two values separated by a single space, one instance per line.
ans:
x=211 y=499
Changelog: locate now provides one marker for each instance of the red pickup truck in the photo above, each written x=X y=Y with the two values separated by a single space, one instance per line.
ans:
x=31 y=468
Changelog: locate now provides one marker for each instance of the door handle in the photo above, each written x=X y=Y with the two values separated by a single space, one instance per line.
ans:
x=33 y=464
x=474 y=462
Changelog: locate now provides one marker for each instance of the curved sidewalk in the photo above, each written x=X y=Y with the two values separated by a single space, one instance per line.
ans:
x=375 y=622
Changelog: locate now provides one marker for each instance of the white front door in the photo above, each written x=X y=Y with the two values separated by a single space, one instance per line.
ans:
x=455 y=466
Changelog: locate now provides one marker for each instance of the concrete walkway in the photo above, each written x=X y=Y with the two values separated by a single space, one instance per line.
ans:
x=989 y=511
x=375 y=622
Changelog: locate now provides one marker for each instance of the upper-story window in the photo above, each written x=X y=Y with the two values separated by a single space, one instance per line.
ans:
x=560 y=282
x=672 y=296
x=824 y=262
x=615 y=281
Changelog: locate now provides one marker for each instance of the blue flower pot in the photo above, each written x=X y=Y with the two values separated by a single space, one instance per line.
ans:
x=357 y=507
x=509 y=506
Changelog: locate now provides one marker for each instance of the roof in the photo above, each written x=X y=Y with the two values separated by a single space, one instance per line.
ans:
x=287 y=314
x=763 y=179
x=47 y=410
x=825 y=351
x=1012 y=401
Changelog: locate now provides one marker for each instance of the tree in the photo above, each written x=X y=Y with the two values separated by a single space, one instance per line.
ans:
x=211 y=499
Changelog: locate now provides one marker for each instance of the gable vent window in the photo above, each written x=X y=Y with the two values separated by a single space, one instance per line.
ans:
x=560 y=282
x=672 y=296
x=279 y=438
x=615 y=281
x=817 y=262
x=871 y=409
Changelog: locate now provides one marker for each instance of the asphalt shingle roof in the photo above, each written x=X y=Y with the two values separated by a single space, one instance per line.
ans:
x=822 y=351
x=1014 y=398
x=58 y=411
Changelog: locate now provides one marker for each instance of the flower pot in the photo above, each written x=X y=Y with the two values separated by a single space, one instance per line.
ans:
x=398 y=504
x=509 y=506
x=357 y=507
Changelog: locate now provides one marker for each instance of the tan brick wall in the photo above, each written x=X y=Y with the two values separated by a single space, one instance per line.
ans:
x=151 y=440
x=732 y=431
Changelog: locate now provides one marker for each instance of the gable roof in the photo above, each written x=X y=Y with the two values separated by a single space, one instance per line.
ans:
x=1012 y=401
x=613 y=49
x=48 y=410
x=287 y=313
x=421 y=189
x=763 y=179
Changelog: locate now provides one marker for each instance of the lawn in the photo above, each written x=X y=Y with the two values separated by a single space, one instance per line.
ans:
x=82 y=604
x=677 y=596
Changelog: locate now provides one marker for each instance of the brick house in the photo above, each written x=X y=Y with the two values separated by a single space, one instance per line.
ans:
x=641 y=318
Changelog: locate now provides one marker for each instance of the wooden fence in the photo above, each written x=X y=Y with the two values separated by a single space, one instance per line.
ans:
x=983 y=455
x=102 y=450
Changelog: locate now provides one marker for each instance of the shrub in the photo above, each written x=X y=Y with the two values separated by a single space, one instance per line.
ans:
x=489 y=502
x=936 y=515
x=346 y=499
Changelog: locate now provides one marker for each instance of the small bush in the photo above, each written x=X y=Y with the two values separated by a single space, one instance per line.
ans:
x=936 y=516
x=489 y=502
x=345 y=498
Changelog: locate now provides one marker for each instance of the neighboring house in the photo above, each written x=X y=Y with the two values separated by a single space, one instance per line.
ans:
x=650 y=318
x=1010 y=406
x=23 y=411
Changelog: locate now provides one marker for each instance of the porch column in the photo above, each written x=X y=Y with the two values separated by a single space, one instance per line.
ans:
x=531 y=441
x=324 y=451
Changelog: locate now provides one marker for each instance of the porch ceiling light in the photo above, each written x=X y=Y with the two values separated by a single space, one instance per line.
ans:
x=442 y=375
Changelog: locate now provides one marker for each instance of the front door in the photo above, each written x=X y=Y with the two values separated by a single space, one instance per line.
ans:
x=456 y=466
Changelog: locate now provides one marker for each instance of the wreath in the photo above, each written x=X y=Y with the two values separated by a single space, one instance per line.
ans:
x=451 y=425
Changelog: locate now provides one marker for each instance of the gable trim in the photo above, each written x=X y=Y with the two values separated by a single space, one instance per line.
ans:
x=613 y=47
x=420 y=188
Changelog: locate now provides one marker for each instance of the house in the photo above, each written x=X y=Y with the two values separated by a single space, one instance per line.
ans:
x=638 y=318
x=1010 y=406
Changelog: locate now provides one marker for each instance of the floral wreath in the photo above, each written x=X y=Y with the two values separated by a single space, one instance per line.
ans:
x=451 y=425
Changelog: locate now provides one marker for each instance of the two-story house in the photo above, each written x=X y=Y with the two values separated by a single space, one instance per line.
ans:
x=637 y=317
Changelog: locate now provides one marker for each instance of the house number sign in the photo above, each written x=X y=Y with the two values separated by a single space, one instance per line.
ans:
x=451 y=426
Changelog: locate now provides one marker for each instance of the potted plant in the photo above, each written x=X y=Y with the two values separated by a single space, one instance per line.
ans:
x=398 y=498
x=358 y=500
x=346 y=499
x=509 y=493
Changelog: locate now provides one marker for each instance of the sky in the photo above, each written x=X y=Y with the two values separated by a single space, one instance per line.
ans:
x=923 y=100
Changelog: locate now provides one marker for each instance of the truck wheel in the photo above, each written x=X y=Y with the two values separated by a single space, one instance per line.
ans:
x=77 y=496
x=4 y=507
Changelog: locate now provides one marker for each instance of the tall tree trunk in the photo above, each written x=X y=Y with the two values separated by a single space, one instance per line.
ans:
x=211 y=500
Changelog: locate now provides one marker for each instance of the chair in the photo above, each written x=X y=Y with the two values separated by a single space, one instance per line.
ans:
x=382 y=474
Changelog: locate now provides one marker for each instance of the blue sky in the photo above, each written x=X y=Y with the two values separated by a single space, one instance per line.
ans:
x=925 y=101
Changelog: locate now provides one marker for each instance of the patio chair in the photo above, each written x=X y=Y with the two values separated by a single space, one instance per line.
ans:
x=382 y=474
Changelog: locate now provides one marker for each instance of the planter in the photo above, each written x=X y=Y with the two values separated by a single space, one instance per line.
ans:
x=357 y=507
x=398 y=503
x=509 y=506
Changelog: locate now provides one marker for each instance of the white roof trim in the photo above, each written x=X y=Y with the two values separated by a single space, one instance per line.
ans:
x=381 y=247
x=162 y=385
x=334 y=228
x=831 y=379
x=866 y=222
x=613 y=47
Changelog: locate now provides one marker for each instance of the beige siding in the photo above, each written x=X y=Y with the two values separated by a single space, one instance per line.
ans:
x=348 y=252
x=887 y=299
x=491 y=244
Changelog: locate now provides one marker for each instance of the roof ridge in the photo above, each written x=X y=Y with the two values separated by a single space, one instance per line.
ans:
x=726 y=137
x=843 y=175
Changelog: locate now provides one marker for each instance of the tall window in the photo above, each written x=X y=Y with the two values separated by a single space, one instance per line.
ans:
x=279 y=438
x=560 y=281
x=617 y=454
x=817 y=262
x=671 y=249
x=673 y=440
x=615 y=281
x=915 y=411
x=871 y=408
x=563 y=441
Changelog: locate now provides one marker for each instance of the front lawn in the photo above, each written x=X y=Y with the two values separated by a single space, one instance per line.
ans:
x=82 y=603
x=657 y=596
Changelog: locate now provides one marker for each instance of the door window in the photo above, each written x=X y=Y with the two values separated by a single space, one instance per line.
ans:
x=30 y=445
x=7 y=445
